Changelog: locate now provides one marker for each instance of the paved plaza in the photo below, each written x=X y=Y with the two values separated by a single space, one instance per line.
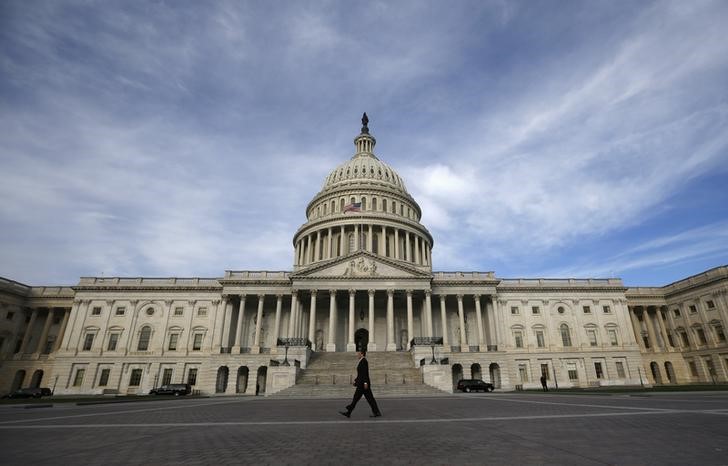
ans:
x=493 y=428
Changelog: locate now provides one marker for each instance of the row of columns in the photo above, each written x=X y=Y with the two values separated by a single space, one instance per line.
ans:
x=320 y=246
x=656 y=324
x=295 y=326
x=39 y=347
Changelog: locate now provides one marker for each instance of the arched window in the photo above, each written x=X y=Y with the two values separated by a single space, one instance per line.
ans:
x=374 y=203
x=353 y=200
x=384 y=205
x=375 y=244
x=351 y=242
x=333 y=206
x=565 y=336
x=394 y=207
x=144 y=337
x=325 y=208
x=363 y=203
x=341 y=208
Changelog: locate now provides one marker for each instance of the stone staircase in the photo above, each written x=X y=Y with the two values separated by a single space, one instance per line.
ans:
x=330 y=375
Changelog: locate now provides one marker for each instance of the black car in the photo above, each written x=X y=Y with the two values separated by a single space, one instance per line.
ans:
x=175 y=389
x=474 y=385
x=30 y=393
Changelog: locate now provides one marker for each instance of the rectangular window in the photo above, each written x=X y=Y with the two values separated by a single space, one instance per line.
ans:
x=693 y=309
x=192 y=376
x=607 y=309
x=104 y=379
x=545 y=371
x=587 y=309
x=173 y=342
x=201 y=312
x=693 y=368
x=113 y=341
x=676 y=312
x=514 y=310
x=711 y=304
x=167 y=376
x=135 y=378
x=48 y=346
x=539 y=339
x=56 y=320
x=620 y=369
x=10 y=315
x=197 y=342
x=573 y=374
x=96 y=311
x=523 y=372
x=598 y=370
x=519 y=339
x=592 y=337
x=120 y=311
x=613 y=337
x=535 y=310
x=719 y=333
x=78 y=379
x=88 y=342
x=178 y=311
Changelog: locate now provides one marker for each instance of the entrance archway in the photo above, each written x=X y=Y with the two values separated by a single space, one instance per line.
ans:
x=260 y=383
x=242 y=380
x=18 y=380
x=361 y=339
x=457 y=375
x=495 y=377
x=35 y=380
x=222 y=379
x=476 y=372
x=655 y=368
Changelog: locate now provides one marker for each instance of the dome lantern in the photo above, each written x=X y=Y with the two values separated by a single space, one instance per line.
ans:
x=365 y=142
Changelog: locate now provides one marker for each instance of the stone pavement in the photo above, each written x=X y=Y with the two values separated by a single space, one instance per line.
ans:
x=493 y=428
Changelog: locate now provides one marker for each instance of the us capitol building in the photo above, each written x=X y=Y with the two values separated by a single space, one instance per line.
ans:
x=362 y=276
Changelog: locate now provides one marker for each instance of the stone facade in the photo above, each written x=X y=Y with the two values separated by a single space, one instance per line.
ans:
x=362 y=274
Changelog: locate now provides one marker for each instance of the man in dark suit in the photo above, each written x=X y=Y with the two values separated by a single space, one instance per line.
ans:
x=363 y=387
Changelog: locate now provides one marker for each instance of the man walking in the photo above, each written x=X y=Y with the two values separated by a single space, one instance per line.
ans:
x=543 y=383
x=363 y=387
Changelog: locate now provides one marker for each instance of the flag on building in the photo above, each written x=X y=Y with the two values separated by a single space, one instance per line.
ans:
x=353 y=207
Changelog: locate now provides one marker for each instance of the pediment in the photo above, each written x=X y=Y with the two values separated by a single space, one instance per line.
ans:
x=359 y=265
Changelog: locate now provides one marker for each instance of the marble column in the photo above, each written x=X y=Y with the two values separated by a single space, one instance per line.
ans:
x=29 y=331
x=292 y=318
x=258 y=323
x=391 y=345
x=350 y=346
x=331 y=343
x=312 y=321
x=492 y=321
x=396 y=243
x=410 y=320
x=225 y=327
x=277 y=322
x=428 y=312
x=372 y=342
x=479 y=318
x=464 y=348
x=650 y=329
x=239 y=331
x=62 y=330
x=636 y=328
x=443 y=317
x=44 y=334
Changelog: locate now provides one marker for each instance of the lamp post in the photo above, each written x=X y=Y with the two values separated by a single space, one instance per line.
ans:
x=433 y=354
x=285 y=359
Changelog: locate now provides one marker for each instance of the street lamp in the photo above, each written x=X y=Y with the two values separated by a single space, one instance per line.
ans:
x=285 y=359
x=433 y=354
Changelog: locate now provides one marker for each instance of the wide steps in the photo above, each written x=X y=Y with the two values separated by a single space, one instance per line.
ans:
x=330 y=375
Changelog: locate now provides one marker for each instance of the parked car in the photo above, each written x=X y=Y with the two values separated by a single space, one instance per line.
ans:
x=30 y=393
x=175 y=389
x=474 y=385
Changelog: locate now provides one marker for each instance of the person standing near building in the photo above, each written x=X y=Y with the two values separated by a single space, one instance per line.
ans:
x=543 y=383
x=363 y=387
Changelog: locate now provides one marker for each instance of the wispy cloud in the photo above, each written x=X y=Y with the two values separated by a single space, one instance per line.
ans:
x=163 y=139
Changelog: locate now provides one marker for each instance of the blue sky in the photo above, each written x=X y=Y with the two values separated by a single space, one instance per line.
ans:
x=541 y=139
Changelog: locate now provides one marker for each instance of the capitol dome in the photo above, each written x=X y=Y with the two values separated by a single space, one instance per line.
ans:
x=363 y=206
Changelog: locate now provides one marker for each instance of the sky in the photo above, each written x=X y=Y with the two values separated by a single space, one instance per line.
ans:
x=156 y=138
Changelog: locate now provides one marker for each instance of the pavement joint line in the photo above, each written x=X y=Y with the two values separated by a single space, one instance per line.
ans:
x=583 y=405
x=379 y=421
x=107 y=413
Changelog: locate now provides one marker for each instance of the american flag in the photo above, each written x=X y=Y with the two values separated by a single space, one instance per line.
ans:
x=353 y=207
